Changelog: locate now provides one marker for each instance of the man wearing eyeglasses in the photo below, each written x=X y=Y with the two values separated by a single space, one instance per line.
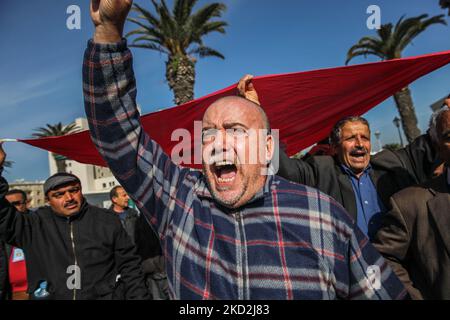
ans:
x=18 y=198
x=73 y=250
x=13 y=270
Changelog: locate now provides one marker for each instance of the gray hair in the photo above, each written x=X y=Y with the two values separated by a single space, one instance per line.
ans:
x=434 y=120
x=335 y=136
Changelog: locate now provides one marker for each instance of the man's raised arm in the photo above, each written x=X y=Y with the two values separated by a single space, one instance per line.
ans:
x=109 y=89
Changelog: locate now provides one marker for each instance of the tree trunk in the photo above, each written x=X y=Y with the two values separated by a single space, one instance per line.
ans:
x=407 y=113
x=60 y=163
x=180 y=74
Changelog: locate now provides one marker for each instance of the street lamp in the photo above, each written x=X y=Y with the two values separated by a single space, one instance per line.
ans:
x=377 y=136
x=397 y=124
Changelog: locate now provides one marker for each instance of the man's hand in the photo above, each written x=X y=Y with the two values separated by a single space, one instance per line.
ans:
x=109 y=18
x=2 y=155
x=247 y=90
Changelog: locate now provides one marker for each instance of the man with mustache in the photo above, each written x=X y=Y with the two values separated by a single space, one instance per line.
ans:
x=359 y=182
x=415 y=236
x=231 y=231
x=74 y=250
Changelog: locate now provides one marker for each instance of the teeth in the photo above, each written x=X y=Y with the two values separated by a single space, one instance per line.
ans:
x=224 y=163
x=225 y=180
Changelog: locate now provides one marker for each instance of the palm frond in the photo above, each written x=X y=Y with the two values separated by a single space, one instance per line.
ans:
x=145 y=14
x=206 y=13
x=363 y=52
x=203 y=52
x=182 y=10
x=417 y=26
x=55 y=130
x=8 y=164
x=150 y=46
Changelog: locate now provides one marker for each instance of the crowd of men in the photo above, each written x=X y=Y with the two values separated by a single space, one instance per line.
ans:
x=342 y=225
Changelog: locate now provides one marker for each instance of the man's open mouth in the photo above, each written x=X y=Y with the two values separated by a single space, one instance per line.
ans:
x=358 y=154
x=225 y=171
x=72 y=205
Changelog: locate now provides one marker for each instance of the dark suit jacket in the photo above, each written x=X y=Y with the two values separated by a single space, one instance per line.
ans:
x=415 y=238
x=392 y=171
x=3 y=271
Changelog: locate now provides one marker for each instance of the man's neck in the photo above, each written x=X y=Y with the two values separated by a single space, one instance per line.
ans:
x=359 y=174
x=118 y=209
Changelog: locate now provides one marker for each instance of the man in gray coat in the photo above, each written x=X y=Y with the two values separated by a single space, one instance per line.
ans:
x=414 y=236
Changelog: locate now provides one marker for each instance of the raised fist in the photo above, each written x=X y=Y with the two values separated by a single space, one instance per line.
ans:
x=109 y=18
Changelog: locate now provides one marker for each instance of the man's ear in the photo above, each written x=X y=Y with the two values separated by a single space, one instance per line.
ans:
x=270 y=147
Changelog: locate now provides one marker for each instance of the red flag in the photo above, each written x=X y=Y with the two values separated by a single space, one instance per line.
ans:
x=304 y=106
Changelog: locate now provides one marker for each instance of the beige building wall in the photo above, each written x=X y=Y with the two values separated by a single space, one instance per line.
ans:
x=34 y=190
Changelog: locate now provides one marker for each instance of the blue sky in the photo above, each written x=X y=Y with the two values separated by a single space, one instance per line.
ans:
x=40 y=60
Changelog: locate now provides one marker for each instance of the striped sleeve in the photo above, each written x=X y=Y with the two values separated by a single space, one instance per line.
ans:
x=370 y=275
x=138 y=162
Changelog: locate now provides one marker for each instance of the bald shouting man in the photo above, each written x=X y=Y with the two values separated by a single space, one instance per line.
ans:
x=230 y=231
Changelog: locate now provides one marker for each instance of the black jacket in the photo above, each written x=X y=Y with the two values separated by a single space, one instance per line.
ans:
x=100 y=248
x=146 y=239
x=391 y=172
x=4 y=283
x=129 y=223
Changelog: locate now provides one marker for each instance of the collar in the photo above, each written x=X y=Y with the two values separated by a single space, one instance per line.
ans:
x=349 y=171
x=201 y=189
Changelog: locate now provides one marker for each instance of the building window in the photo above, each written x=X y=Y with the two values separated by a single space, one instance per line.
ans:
x=104 y=186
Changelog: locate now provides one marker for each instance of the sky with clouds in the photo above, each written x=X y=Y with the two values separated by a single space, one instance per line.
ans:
x=40 y=60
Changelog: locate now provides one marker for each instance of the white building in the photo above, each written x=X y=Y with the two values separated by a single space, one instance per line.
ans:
x=96 y=181
x=34 y=191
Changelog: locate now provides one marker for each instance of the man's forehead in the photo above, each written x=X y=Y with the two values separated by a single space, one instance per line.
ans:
x=231 y=110
x=65 y=187
x=355 y=125
x=120 y=190
x=15 y=196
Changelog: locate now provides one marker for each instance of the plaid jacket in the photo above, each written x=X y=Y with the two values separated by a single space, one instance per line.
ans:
x=289 y=242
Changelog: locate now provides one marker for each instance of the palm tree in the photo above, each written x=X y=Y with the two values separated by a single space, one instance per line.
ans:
x=178 y=34
x=55 y=131
x=8 y=164
x=445 y=4
x=389 y=44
